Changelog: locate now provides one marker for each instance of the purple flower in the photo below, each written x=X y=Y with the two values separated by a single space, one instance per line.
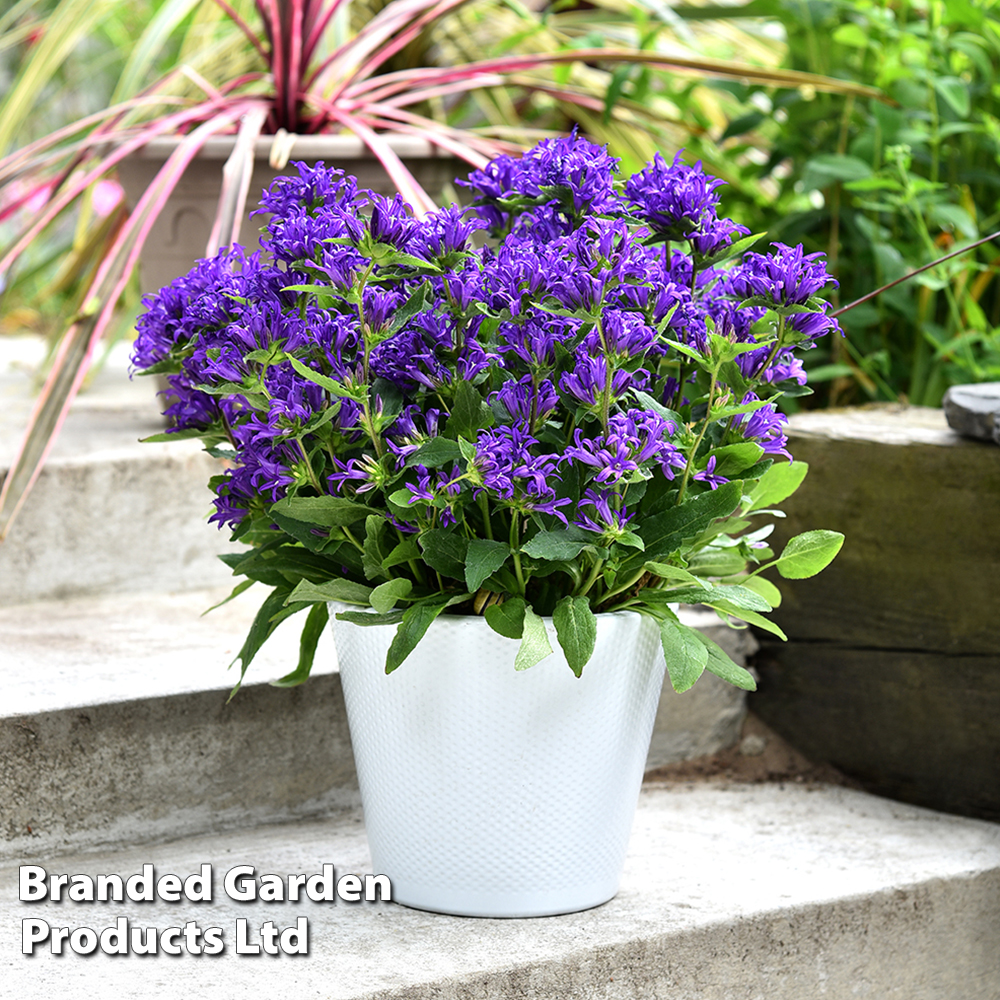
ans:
x=676 y=200
x=632 y=439
x=606 y=519
x=707 y=475
x=788 y=276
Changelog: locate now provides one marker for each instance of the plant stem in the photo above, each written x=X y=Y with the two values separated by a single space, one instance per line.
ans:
x=515 y=548
x=701 y=435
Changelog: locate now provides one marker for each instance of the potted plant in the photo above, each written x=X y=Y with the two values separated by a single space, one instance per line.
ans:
x=503 y=468
x=286 y=71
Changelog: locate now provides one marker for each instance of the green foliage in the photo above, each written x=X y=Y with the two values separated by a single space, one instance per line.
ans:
x=883 y=186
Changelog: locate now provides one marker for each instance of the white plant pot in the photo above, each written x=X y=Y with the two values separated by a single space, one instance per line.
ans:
x=493 y=792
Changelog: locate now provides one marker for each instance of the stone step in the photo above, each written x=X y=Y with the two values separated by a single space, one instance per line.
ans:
x=108 y=514
x=115 y=723
x=742 y=892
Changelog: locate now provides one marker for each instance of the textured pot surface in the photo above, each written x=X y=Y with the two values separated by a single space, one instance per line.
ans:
x=494 y=792
x=180 y=234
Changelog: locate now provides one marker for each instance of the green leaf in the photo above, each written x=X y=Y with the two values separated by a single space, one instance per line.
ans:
x=738 y=408
x=333 y=590
x=649 y=403
x=685 y=655
x=664 y=533
x=367 y=619
x=853 y=35
x=554 y=545
x=738 y=596
x=469 y=413
x=237 y=590
x=717 y=562
x=330 y=512
x=722 y=666
x=436 y=452
x=406 y=550
x=576 y=630
x=955 y=92
x=312 y=630
x=415 y=304
x=765 y=588
x=385 y=596
x=535 y=644
x=667 y=572
x=828 y=168
x=416 y=620
x=324 y=381
x=483 y=559
x=444 y=550
x=374 y=553
x=777 y=484
x=183 y=435
x=806 y=554
x=260 y=630
x=732 y=459
x=750 y=617
x=507 y=619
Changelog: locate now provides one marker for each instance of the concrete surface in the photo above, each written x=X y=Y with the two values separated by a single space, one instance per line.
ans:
x=728 y=894
x=115 y=724
x=107 y=514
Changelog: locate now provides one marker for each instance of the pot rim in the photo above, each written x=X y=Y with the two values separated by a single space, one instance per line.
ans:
x=300 y=147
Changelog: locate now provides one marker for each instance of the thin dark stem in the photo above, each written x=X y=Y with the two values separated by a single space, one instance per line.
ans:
x=919 y=270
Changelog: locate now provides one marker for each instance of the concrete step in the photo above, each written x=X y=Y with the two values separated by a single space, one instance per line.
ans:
x=115 y=724
x=728 y=894
x=108 y=514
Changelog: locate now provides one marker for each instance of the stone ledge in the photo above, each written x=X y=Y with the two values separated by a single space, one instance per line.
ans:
x=108 y=513
x=743 y=892
x=115 y=724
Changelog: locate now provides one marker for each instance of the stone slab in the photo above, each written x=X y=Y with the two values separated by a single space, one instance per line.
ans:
x=738 y=893
x=107 y=514
x=115 y=723
x=972 y=409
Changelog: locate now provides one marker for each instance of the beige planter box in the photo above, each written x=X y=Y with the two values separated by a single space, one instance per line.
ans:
x=180 y=234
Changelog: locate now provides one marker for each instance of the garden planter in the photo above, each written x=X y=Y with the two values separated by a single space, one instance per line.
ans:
x=180 y=234
x=493 y=792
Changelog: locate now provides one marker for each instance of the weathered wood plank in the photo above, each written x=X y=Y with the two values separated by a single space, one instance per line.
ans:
x=892 y=672
x=919 y=727
x=920 y=507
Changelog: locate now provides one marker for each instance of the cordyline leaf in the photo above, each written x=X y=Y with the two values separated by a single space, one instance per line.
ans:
x=76 y=349
x=381 y=87
x=65 y=27
x=236 y=174
x=420 y=201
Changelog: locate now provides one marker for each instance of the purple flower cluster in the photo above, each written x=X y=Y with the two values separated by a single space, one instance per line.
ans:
x=366 y=351
x=679 y=203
